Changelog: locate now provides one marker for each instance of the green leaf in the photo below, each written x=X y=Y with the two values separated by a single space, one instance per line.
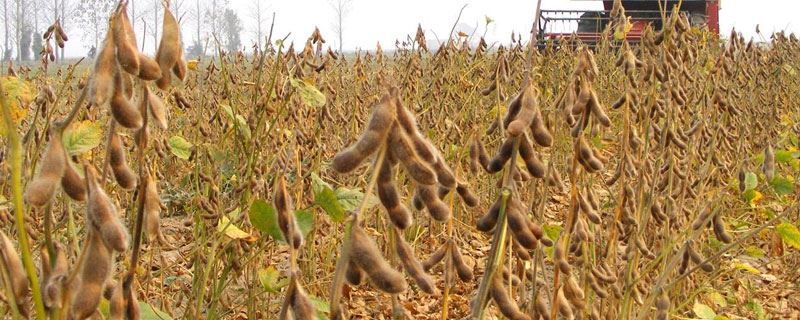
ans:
x=784 y=156
x=269 y=278
x=317 y=184
x=83 y=136
x=552 y=231
x=264 y=218
x=308 y=93
x=750 y=181
x=240 y=122
x=322 y=306
x=349 y=199
x=703 y=311
x=782 y=185
x=180 y=147
x=789 y=234
x=753 y=251
x=149 y=312
x=330 y=203
x=757 y=309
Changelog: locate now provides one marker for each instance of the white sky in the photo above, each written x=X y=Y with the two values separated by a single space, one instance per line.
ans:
x=373 y=21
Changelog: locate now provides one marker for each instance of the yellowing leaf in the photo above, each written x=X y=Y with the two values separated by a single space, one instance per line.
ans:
x=16 y=91
x=742 y=265
x=180 y=147
x=789 y=234
x=308 y=93
x=225 y=226
x=270 y=279
x=703 y=311
x=192 y=64
x=83 y=136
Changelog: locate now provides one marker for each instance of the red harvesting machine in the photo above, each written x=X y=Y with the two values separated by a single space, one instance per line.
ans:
x=587 y=25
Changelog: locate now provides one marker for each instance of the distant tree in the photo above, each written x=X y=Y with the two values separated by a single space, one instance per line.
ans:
x=37 y=45
x=25 y=42
x=93 y=16
x=259 y=16
x=231 y=30
x=341 y=8
x=6 y=30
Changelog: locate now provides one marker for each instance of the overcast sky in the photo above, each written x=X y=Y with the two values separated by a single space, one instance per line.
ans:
x=373 y=21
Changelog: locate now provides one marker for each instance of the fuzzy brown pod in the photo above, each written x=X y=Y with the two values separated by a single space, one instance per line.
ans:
x=18 y=279
x=587 y=157
x=121 y=307
x=768 y=167
x=529 y=109
x=532 y=162
x=285 y=211
x=503 y=155
x=366 y=255
x=124 y=112
x=127 y=54
x=53 y=165
x=401 y=148
x=102 y=214
x=169 y=49
x=427 y=195
x=149 y=69
x=435 y=258
x=487 y=222
x=508 y=307
x=152 y=208
x=105 y=67
x=466 y=195
x=463 y=269
x=119 y=164
x=374 y=135
x=390 y=197
x=518 y=224
x=302 y=306
x=157 y=109
x=354 y=275
x=412 y=265
x=95 y=270
x=478 y=155
x=54 y=276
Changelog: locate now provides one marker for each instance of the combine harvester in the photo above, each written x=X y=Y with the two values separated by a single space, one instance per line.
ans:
x=588 y=25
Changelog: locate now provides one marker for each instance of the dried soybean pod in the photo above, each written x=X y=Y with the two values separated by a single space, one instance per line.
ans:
x=56 y=275
x=127 y=55
x=413 y=267
x=463 y=191
x=513 y=109
x=541 y=308
x=434 y=258
x=436 y=207
x=463 y=270
x=489 y=220
x=366 y=255
x=180 y=68
x=402 y=149
x=152 y=208
x=390 y=198
x=119 y=164
x=502 y=156
x=285 y=212
x=697 y=258
x=532 y=163
x=501 y=298
x=586 y=153
x=529 y=108
x=662 y=306
x=95 y=270
x=574 y=293
x=41 y=190
x=564 y=306
x=378 y=127
x=17 y=277
x=105 y=67
x=116 y=303
x=700 y=221
x=719 y=229
x=560 y=258
x=354 y=274
x=302 y=306
x=540 y=133
x=768 y=167
x=149 y=69
x=72 y=183
x=169 y=50
x=157 y=109
x=583 y=98
x=517 y=222
x=477 y=152
x=102 y=213
x=597 y=110
x=587 y=208
x=124 y=112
